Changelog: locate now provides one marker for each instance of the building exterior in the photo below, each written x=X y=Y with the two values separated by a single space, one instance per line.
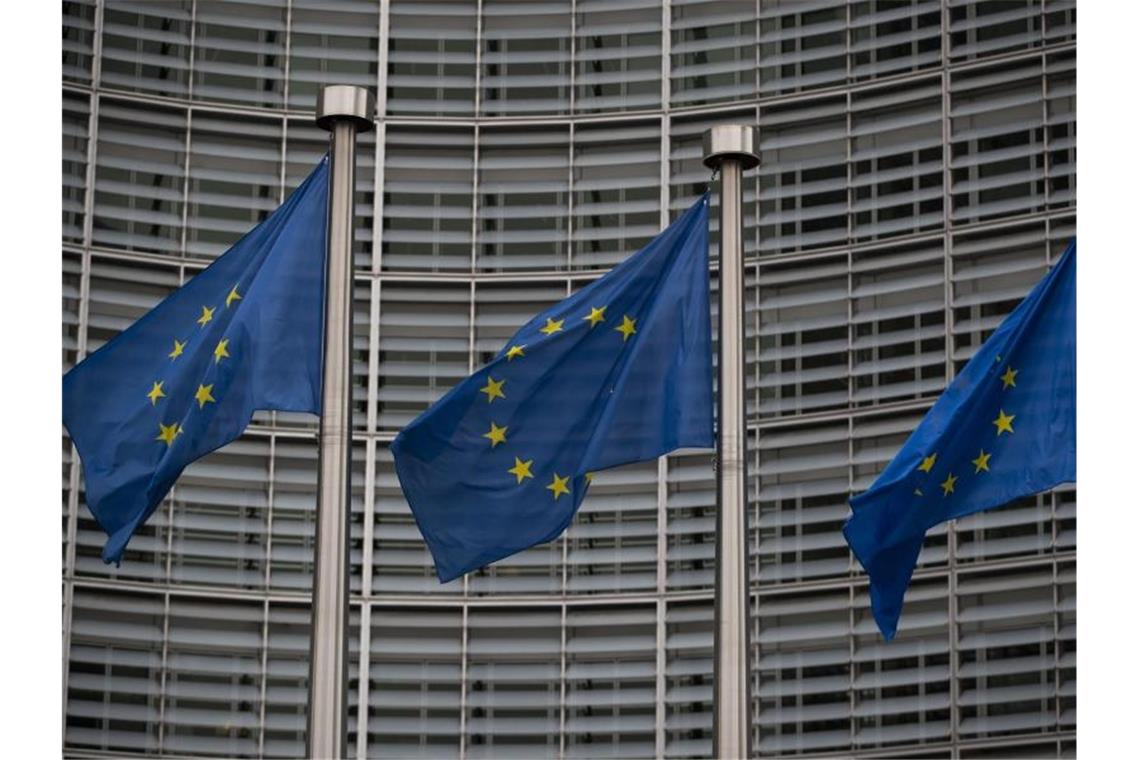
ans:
x=918 y=176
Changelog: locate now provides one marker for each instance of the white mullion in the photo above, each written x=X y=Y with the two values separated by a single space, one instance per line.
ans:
x=463 y=635
x=573 y=58
x=82 y=310
x=478 y=70
x=384 y=27
x=562 y=683
x=287 y=68
x=475 y=201
x=162 y=695
x=570 y=199
x=271 y=494
x=363 y=686
x=948 y=337
x=186 y=183
x=378 y=178
x=264 y=676
x=371 y=441
x=666 y=56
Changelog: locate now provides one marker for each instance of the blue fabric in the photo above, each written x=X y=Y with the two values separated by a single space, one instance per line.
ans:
x=244 y=334
x=1003 y=429
x=578 y=394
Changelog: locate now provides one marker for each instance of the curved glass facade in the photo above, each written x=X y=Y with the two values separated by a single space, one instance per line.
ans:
x=918 y=176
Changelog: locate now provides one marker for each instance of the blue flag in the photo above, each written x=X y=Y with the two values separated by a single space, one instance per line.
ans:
x=1003 y=429
x=243 y=335
x=619 y=372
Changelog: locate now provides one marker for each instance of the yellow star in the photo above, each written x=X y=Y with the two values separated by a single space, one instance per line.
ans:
x=514 y=351
x=233 y=296
x=1008 y=377
x=596 y=315
x=167 y=432
x=155 y=392
x=493 y=389
x=627 y=328
x=496 y=434
x=521 y=469
x=552 y=326
x=948 y=485
x=918 y=492
x=928 y=463
x=203 y=395
x=220 y=351
x=177 y=349
x=558 y=486
x=207 y=315
x=1004 y=422
x=982 y=462
x=589 y=477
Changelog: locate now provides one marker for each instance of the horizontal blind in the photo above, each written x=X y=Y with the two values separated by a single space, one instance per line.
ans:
x=416 y=679
x=525 y=57
x=611 y=545
x=239 y=52
x=114 y=688
x=688 y=679
x=76 y=116
x=523 y=214
x=78 y=40
x=331 y=43
x=514 y=661
x=1012 y=648
x=431 y=58
x=610 y=678
x=146 y=47
x=713 y=51
x=139 y=173
x=617 y=204
x=617 y=60
x=213 y=677
x=424 y=337
x=235 y=182
x=294 y=514
x=428 y=187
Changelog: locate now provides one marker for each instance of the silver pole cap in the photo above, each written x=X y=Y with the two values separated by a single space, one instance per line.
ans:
x=732 y=141
x=345 y=102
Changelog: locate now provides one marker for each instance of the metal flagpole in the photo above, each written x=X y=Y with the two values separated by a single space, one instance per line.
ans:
x=732 y=149
x=343 y=110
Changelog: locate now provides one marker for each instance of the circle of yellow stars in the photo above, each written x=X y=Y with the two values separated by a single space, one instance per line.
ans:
x=494 y=389
x=205 y=393
x=1003 y=424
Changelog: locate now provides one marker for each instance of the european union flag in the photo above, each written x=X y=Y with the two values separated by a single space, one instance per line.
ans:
x=619 y=372
x=244 y=334
x=1005 y=428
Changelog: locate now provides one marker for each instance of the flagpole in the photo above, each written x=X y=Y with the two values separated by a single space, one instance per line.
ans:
x=343 y=110
x=731 y=148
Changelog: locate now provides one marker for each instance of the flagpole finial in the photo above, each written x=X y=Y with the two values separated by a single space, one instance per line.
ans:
x=738 y=141
x=345 y=102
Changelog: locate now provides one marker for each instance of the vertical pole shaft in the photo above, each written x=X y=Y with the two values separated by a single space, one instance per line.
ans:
x=731 y=667
x=731 y=149
x=328 y=662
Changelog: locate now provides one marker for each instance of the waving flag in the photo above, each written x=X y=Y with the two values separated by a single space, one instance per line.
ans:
x=1005 y=428
x=619 y=372
x=243 y=335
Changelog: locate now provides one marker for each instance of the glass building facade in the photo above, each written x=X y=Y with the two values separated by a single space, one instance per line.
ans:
x=918 y=176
